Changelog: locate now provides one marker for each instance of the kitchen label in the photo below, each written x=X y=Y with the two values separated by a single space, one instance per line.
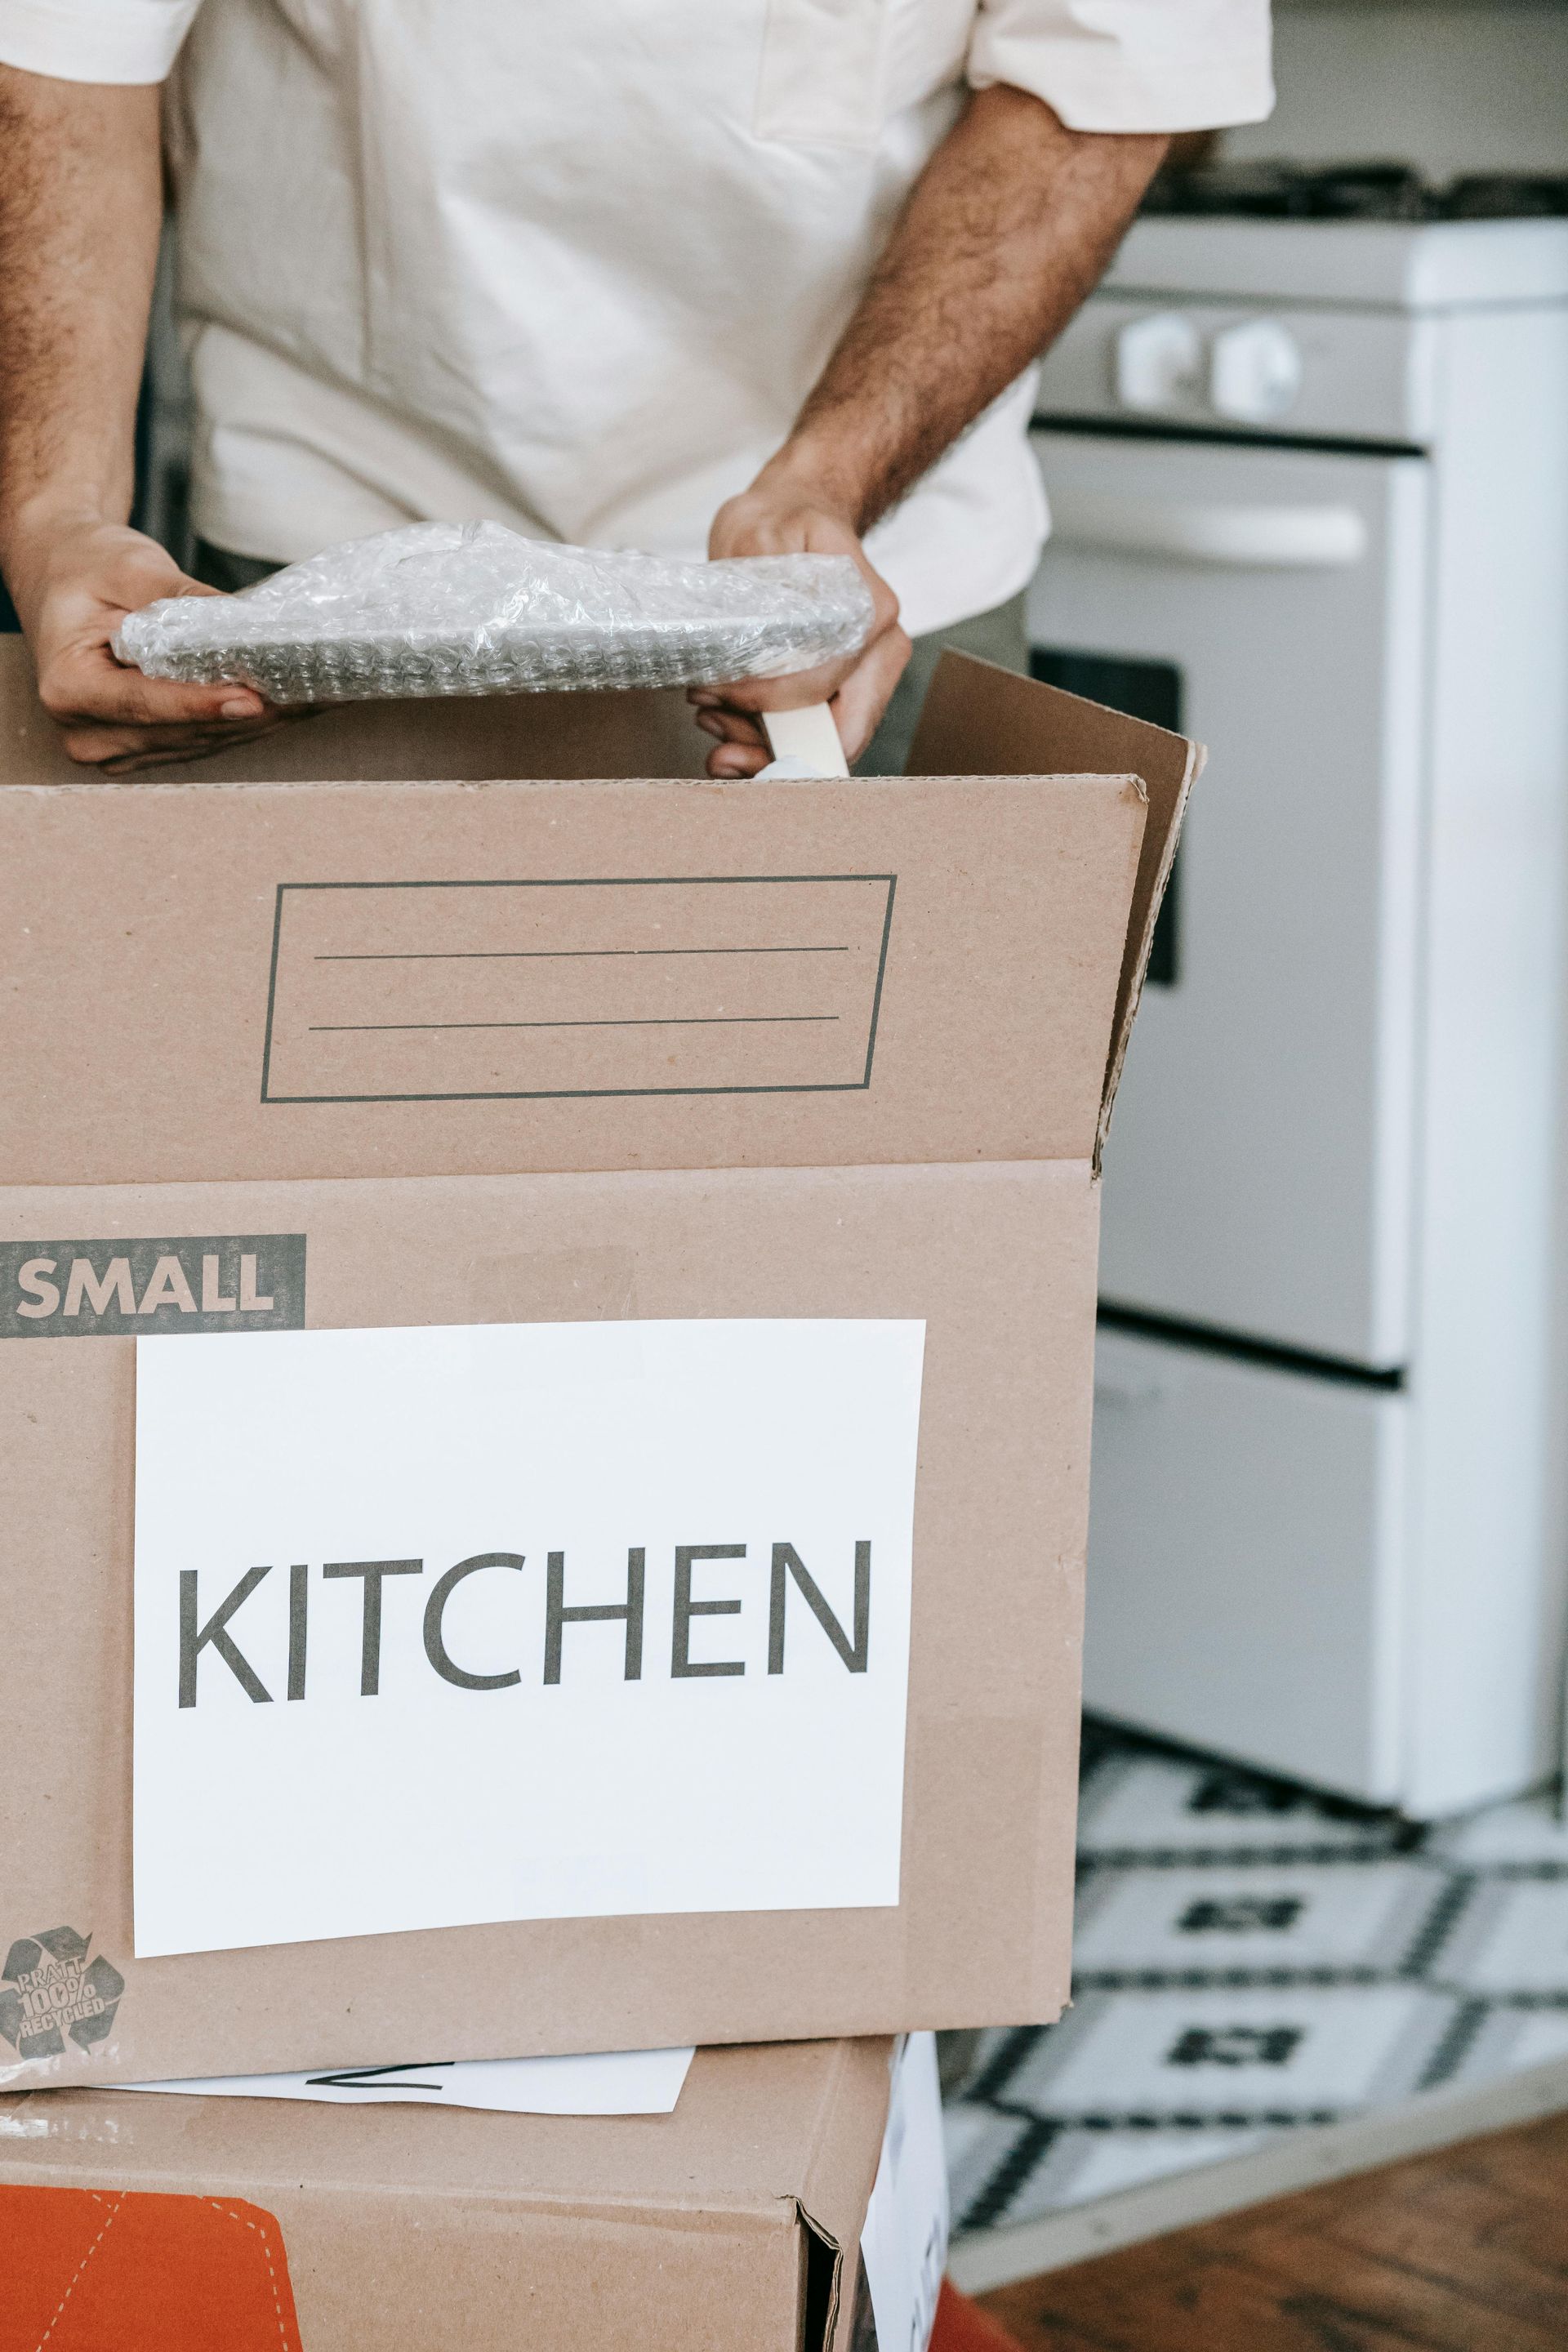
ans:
x=451 y=1625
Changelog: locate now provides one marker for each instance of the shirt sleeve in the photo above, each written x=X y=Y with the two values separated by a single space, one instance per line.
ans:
x=1130 y=64
x=95 y=40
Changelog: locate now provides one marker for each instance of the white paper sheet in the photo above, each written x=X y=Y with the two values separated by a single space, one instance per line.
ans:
x=351 y=1715
x=904 y=2242
x=609 y=2083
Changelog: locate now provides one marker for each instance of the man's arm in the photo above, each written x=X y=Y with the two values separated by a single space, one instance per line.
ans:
x=80 y=209
x=1007 y=231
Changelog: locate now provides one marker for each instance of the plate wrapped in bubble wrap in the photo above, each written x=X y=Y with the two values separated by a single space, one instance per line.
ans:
x=473 y=608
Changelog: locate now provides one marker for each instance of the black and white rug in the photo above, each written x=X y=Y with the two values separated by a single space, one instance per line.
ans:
x=1250 y=1960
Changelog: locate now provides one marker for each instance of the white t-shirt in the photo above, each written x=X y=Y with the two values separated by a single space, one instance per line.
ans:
x=576 y=264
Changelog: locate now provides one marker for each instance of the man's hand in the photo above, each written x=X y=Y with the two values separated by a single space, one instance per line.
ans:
x=72 y=586
x=784 y=513
x=81 y=203
x=1008 y=227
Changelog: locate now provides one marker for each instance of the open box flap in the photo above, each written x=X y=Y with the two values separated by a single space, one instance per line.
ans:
x=208 y=977
x=468 y=738
x=1009 y=726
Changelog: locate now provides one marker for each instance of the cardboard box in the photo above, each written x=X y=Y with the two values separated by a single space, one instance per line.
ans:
x=180 y=2225
x=797 y=1069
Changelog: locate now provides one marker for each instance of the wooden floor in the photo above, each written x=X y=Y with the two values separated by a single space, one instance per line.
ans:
x=1462 y=2251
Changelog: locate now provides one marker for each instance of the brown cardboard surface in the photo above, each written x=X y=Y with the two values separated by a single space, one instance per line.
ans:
x=998 y=1258
x=205 y=975
x=405 y=2227
x=242 y=981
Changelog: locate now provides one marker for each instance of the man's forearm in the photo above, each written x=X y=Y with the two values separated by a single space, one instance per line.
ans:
x=80 y=204
x=1007 y=230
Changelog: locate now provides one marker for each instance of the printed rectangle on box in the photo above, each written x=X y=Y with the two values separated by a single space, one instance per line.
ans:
x=728 y=984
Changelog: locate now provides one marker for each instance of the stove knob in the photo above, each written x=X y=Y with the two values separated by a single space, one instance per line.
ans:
x=1158 y=362
x=1255 y=371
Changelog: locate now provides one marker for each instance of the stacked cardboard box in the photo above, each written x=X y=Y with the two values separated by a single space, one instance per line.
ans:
x=174 y=2225
x=586 y=1297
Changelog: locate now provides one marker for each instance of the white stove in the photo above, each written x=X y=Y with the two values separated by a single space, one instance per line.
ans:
x=1309 y=482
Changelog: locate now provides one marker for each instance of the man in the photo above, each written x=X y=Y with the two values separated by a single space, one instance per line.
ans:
x=757 y=275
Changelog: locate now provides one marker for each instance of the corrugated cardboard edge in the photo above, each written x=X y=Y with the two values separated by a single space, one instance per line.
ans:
x=834 y=2185
x=1162 y=837
x=996 y=723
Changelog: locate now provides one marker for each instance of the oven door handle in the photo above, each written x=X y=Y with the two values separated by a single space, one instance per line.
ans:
x=1205 y=530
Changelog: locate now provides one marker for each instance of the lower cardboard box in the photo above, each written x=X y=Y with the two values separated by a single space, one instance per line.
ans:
x=164 y=2225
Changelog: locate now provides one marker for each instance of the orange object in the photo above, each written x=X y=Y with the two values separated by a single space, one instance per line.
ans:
x=962 y=2326
x=89 y=2270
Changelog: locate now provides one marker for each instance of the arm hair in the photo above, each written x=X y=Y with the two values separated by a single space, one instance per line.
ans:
x=80 y=209
x=1011 y=224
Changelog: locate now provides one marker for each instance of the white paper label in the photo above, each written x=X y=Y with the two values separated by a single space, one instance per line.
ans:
x=904 y=2242
x=613 y=2083
x=448 y=1625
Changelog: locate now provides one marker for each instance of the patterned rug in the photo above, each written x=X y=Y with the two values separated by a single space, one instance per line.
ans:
x=1249 y=1959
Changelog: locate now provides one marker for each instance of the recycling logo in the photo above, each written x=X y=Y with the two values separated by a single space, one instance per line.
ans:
x=50 y=1989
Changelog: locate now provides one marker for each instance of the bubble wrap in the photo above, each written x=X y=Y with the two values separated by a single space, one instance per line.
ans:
x=472 y=608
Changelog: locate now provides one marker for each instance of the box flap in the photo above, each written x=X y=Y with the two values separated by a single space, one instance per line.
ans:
x=217 y=978
x=527 y=735
x=757 y=2127
x=979 y=716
